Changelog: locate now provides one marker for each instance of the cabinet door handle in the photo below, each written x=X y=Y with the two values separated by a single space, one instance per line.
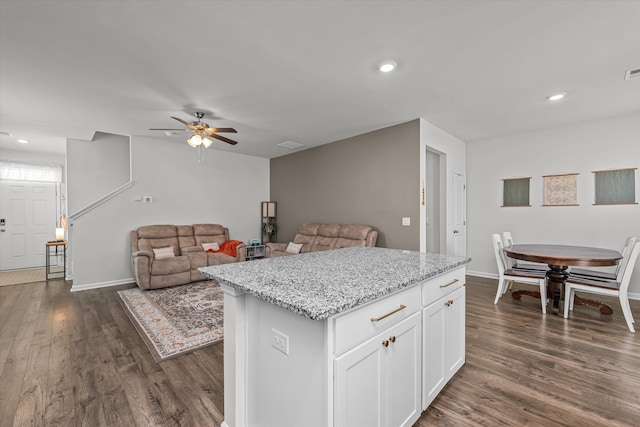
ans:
x=377 y=319
x=385 y=343
x=449 y=303
x=392 y=338
x=450 y=283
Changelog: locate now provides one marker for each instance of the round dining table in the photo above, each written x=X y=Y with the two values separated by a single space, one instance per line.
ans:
x=559 y=258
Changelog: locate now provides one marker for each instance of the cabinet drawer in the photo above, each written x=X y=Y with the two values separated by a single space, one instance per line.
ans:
x=436 y=288
x=364 y=322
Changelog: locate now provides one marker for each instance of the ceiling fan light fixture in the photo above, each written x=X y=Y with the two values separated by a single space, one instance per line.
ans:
x=195 y=140
x=206 y=142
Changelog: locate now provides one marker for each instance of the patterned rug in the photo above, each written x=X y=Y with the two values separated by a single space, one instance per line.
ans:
x=176 y=320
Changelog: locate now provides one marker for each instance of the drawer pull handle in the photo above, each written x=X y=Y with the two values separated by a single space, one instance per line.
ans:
x=392 y=338
x=449 y=284
x=449 y=303
x=377 y=319
x=385 y=343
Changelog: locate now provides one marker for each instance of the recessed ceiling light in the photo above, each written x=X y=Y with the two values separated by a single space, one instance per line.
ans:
x=23 y=141
x=387 y=66
x=557 y=96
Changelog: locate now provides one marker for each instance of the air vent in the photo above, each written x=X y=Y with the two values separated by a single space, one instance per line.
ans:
x=632 y=74
x=290 y=145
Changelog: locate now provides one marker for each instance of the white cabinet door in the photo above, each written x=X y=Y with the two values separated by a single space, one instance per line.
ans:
x=443 y=342
x=404 y=370
x=378 y=382
x=360 y=383
x=454 y=354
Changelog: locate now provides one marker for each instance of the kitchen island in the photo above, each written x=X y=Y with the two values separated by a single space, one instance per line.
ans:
x=354 y=336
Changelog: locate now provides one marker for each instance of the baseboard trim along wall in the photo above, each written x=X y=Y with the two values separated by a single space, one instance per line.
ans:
x=632 y=295
x=75 y=288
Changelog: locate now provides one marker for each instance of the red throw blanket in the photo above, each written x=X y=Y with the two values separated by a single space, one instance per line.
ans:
x=228 y=247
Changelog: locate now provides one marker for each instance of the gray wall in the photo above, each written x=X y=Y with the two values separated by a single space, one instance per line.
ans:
x=367 y=179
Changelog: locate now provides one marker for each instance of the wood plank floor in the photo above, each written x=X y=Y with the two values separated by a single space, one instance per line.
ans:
x=76 y=359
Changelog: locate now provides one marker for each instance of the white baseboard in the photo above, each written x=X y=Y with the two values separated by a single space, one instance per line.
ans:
x=75 y=288
x=632 y=295
x=482 y=274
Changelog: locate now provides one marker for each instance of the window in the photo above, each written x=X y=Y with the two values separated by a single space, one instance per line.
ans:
x=41 y=172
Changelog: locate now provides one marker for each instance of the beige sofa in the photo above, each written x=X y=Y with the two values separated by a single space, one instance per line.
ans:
x=188 y=254
x=322 y=237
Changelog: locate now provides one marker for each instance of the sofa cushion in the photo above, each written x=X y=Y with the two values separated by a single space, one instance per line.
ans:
x=170 y=265
x=157 y=231
x=209 y=233
x=163 y=253
x=215 y=246
x=322 y=243
x=348 y=243
x=328 y=230
x=185 y=236
x=354 y=231
x=293 y=248
x=308 y=229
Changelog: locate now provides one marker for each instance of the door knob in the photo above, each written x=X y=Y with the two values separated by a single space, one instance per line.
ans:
x=455 y=232
x=2 y=230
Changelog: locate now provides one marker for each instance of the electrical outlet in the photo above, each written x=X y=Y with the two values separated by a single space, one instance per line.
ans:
x=280 y=341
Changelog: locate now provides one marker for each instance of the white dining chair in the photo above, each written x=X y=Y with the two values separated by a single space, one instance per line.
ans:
x=605 y=287
x=506 y=275
x=507 y=241
x=617 y=275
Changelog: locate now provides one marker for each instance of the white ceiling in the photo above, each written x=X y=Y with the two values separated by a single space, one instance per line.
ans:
x=306 y=71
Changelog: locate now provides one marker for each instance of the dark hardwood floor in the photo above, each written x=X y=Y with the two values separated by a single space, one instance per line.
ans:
x=75 y=359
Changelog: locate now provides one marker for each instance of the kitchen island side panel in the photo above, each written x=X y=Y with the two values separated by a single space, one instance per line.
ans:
x=285 y=389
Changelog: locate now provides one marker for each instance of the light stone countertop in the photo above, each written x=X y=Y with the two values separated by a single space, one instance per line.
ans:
x=320 y=284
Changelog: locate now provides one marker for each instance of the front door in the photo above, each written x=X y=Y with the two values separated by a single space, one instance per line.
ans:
x=27 y=221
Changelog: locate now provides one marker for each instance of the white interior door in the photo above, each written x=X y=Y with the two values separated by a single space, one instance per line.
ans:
x=459 y=214
x=27 y=221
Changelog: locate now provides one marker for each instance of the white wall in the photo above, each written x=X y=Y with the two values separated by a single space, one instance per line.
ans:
x=226 y=189
x=98 y=167
x=455 y=160
x=579 y=148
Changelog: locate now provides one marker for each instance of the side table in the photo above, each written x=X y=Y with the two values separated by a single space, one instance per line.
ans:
x=59 y=245
x=255 y=252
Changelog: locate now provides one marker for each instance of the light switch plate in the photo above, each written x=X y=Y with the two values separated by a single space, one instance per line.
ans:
x=406 y=220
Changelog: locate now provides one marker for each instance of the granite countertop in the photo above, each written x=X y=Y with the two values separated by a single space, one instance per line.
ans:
x=320 y=284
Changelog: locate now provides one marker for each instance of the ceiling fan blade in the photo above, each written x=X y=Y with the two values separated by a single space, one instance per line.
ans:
x=222 y=138
x=223 y=130
x=182 y=130
x=183 y=122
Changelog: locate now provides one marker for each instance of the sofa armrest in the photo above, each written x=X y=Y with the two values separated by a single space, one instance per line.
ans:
x=241 y=252
x=141 y=268
x=142 y=254
x=272 y=246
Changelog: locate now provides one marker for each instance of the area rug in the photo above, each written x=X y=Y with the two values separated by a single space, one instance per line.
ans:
x=177 y=320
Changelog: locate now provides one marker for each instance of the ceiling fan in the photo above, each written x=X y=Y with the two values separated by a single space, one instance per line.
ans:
x=201 y=131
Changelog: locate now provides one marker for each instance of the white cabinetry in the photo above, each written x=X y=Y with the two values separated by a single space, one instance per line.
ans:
x=378 y=382
x=443 y=342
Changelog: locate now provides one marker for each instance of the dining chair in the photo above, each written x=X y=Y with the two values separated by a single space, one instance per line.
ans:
x=605 y=287
x=507 y=241
x=617 y=275
x=506 y=275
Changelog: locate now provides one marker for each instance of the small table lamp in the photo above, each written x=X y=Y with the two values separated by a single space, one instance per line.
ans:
x=59 y=233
